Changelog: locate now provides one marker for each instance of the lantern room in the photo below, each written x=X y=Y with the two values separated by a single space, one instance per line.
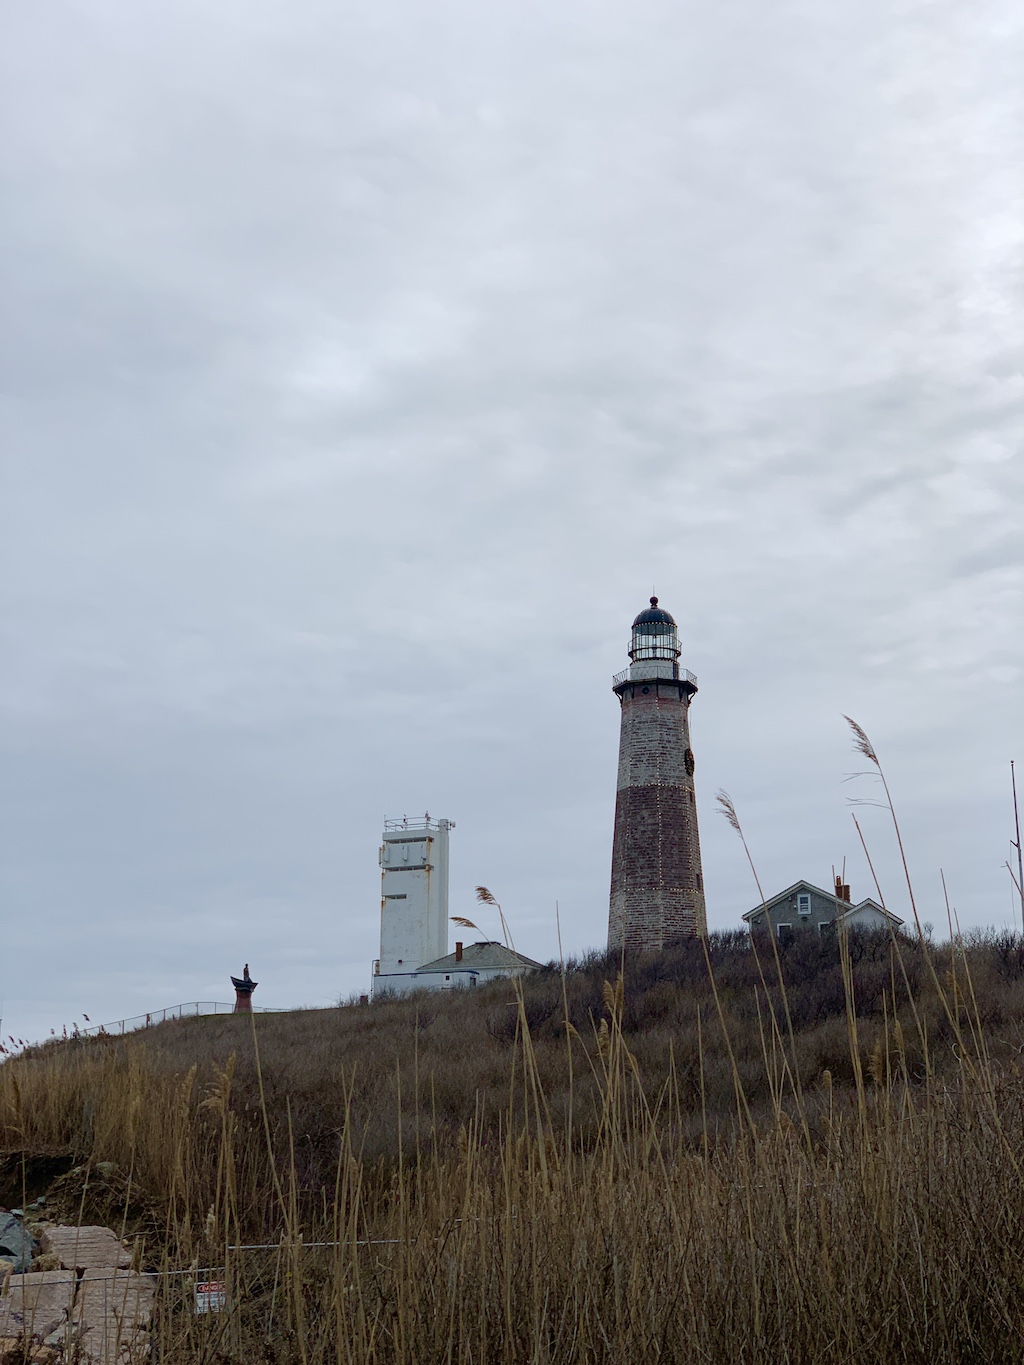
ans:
x=654 y=635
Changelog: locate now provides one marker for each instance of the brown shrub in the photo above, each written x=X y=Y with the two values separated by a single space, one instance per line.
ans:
x=722 y=1167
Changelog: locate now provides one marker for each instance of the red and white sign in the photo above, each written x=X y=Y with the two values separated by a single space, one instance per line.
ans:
x=211 y=1296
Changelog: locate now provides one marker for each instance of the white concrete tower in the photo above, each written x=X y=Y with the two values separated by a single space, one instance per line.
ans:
x=413 y=893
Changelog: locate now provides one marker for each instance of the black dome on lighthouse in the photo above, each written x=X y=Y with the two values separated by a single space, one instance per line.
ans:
x=654 y=615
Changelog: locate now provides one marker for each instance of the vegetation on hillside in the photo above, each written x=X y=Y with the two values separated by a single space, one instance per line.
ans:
x=733 y=1151
x=721 y=1155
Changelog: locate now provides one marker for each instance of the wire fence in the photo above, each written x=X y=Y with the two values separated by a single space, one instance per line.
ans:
x=266 y=1291
x=234 y=1304
x=190 y=1010
x=112 y=1315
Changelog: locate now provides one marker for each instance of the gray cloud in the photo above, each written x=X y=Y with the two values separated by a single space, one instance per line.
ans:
x=364 y=369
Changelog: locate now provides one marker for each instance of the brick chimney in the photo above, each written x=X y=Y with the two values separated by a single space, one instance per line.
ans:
x=842 y=891
x=458 y=952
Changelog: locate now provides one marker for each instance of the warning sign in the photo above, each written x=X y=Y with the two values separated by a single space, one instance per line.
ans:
x=211 y=1296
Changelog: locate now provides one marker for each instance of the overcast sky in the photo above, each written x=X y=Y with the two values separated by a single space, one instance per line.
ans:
x=363 y=368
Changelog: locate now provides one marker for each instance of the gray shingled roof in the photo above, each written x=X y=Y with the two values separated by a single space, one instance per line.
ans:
x=480 y=957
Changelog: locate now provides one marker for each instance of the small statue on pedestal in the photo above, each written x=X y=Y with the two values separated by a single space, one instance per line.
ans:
x=244 y=987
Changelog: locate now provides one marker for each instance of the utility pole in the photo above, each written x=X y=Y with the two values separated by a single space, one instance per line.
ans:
x=1016 y=843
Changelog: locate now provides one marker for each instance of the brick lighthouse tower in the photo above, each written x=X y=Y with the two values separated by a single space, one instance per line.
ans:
x=657 y=886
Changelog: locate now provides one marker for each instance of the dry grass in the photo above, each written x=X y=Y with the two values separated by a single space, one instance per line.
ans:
x=650 y=1167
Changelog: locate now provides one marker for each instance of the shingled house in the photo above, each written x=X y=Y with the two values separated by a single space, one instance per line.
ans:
x=805 y=906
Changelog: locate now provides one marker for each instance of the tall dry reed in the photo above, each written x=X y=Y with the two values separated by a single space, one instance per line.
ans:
x=730 y=1151
x=691 y=1210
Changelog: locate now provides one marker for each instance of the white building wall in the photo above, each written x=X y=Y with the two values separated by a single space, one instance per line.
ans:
x=865 y=917
x=413 y=894
x=404 y=983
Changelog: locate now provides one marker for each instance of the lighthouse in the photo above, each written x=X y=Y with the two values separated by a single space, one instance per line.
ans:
x=657 y=891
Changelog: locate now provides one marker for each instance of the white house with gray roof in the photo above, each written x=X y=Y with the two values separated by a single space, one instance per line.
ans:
x=471 y=965
x=806 y=906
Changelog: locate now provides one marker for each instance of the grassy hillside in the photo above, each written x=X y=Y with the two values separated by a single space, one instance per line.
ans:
x=723 y=1157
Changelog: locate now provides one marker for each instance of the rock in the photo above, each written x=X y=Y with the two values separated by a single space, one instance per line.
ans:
x=85 y=1248
x=15 y=1242
x=36 y=1305
x=111 y=1316
x=97 y=1317
x=48 y=1261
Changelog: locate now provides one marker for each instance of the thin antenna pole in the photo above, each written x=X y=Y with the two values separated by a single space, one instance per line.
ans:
x=1016 y=843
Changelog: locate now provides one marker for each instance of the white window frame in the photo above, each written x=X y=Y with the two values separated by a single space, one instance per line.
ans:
x=803 y=900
